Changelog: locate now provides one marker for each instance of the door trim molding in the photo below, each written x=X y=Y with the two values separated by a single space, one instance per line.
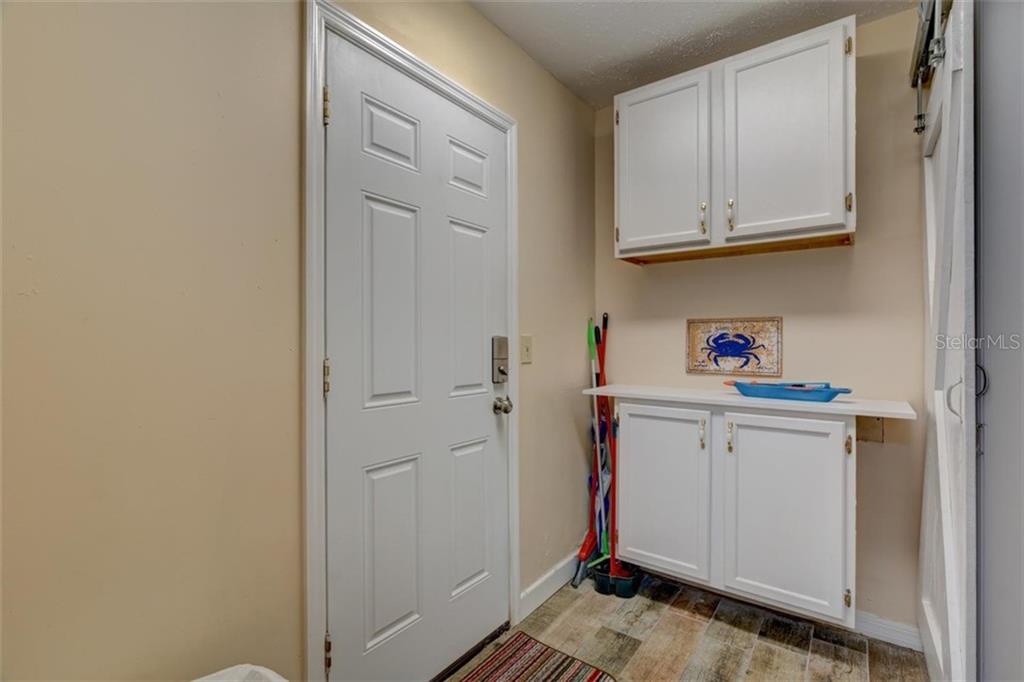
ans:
x=322 y=16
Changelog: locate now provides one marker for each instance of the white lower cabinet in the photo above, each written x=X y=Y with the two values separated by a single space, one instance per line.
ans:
x=785 y=533
x=665 y=473
x=757 y=504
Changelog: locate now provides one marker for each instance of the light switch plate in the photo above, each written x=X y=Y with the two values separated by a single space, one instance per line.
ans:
x=525 y=349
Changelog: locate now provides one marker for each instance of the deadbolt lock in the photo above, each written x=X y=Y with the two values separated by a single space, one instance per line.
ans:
x=499 y=359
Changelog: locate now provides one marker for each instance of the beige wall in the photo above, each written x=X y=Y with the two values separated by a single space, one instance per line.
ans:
x=851 y=315
x=151 y=314
x=1 y=344
x=151 y=157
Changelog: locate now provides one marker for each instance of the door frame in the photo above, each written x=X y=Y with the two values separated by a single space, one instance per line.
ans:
x=322 y=16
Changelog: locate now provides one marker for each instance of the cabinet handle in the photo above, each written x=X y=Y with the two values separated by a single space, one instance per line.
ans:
x=728 y=442
x=703 y=221
x=729 y=215
x=701 y=433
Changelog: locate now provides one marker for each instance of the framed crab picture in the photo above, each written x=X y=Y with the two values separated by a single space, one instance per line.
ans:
x=749 y=346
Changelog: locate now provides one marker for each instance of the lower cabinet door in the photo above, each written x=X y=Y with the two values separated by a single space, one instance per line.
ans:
x=664 y=488
x=786 y=510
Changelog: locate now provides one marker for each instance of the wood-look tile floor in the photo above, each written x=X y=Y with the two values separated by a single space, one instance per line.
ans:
x=674 y=632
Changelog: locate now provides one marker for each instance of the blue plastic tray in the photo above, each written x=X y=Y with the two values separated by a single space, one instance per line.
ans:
x=816 y=391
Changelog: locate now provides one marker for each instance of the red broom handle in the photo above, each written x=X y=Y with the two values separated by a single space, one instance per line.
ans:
x=613 y=524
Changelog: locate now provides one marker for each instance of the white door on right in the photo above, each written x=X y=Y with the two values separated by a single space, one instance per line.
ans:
x=786 y=531
x=947 y=587
x=788 y=145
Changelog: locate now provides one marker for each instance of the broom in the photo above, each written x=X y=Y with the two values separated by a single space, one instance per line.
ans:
x=589 y=545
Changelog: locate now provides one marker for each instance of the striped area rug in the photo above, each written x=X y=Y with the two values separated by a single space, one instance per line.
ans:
x=523 y=658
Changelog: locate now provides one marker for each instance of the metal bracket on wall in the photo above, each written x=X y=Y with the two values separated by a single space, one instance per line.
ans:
x=929 y=50
x=936 y=51
x=921 y=116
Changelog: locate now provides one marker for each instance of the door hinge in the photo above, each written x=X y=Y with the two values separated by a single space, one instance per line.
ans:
x=849 y=445
x=849 y=201
x=848 y=598
x=327 y=106
x=616 y=118
x=327 y=652
x=849 y=46
x=616 y=234
x=327 y=376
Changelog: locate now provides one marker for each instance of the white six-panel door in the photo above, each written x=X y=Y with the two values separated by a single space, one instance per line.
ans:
x=787 y=145
x=787 y=492
x=665 y=475
x=417 y=477
x=663 y=163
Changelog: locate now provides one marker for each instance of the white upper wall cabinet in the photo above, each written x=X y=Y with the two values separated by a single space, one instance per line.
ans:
x=753 y=153
x=663 y=168
x=786 y=137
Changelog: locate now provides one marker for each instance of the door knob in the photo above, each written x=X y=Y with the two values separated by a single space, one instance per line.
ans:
x=502 y=405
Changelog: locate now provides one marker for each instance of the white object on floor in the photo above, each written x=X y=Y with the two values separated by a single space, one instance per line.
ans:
x=244 y=672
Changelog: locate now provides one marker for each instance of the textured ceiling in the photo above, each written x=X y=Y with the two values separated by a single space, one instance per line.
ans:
x=598 y=49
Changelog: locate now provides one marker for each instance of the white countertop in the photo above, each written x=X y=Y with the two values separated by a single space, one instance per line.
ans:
x=842 y=405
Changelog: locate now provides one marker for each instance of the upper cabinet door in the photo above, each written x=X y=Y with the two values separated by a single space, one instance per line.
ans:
x=664 y=506
x=789 y=135
x=663 y=166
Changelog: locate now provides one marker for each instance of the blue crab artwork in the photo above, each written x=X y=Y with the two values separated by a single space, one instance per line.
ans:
x=726 y=345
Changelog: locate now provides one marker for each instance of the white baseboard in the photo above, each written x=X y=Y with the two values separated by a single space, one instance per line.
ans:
x=889 y=631
x=546 y=585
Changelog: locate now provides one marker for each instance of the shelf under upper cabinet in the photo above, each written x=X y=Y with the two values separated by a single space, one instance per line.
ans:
x=849 y=407
x=741 y=249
